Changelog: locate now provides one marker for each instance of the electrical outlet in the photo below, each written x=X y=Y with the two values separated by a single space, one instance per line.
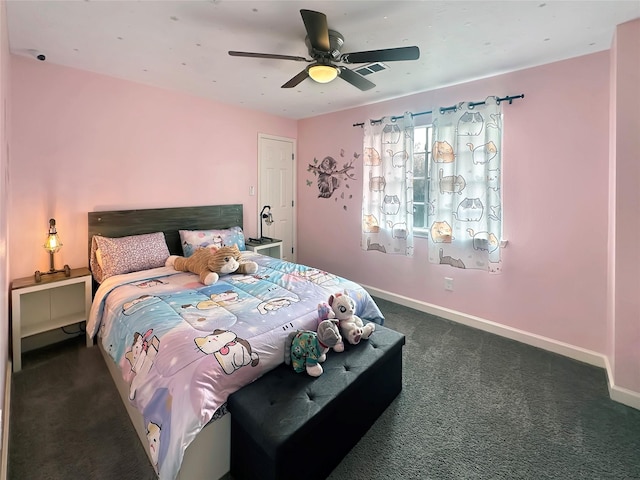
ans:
x=448 y=284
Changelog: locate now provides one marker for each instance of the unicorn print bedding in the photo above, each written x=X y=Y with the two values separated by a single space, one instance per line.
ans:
x=183 y=347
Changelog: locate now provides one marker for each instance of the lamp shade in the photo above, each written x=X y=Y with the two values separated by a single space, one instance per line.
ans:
x=323 y=73
x=52 y=244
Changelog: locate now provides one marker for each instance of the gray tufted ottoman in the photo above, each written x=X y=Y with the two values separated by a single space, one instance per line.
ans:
x=289 y=425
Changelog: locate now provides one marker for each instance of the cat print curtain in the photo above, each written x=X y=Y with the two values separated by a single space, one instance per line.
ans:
x=465 y=201
x=387 y=204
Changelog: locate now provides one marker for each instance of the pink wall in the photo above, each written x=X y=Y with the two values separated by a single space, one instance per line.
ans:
x=555 y=169
x=85 y=142
x=4 y=199
x=625 y=208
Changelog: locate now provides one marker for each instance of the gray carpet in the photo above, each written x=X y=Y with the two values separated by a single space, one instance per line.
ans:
x=473 y=406
x=478 y=406
x=68 y=422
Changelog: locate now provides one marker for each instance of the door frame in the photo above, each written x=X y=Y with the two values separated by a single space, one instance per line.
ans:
x=294 y=180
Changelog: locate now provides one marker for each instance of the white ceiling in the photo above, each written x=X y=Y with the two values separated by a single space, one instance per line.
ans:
x=183 y=45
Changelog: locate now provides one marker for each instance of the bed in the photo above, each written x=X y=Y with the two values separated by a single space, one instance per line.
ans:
x=177 y=348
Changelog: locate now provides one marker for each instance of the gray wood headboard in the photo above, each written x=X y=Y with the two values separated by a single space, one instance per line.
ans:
x=121 y=223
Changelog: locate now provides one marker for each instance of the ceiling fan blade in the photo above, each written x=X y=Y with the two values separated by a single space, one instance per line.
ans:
x=356 y=79
x=296 y=80
x=317 y=29
x=268 y=55
x=385 y=55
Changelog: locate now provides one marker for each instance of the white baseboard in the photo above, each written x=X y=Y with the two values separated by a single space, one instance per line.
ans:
x=4 y=468
x=618 y=394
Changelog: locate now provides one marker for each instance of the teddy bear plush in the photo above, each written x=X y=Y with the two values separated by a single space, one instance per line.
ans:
x=352 y=328
x=306 y=349
x=210 y=263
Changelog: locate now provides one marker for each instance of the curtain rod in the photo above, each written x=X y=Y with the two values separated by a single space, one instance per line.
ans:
x=508 y=98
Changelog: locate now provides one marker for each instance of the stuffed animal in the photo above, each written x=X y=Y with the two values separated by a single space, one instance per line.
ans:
x=210 y=263
x=306 y=349
x=325 y=313
x=351 y=326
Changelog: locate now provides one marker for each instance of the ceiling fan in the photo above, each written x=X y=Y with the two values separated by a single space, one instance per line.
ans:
x=324 y=49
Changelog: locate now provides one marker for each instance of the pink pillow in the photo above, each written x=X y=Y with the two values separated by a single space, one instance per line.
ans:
x=115 y=256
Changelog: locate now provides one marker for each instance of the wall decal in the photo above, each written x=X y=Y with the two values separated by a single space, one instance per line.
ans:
x=331 y=178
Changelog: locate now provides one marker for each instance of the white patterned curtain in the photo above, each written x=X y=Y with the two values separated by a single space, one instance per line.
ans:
x=387 y=204
x=465 y=201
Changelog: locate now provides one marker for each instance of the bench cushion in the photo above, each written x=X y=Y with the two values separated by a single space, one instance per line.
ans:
x=286 y=423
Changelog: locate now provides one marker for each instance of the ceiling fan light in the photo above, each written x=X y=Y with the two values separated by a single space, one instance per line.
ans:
x=323 y=73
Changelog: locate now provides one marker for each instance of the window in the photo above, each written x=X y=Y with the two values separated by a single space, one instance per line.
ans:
x=422 y=141
x=464 y=201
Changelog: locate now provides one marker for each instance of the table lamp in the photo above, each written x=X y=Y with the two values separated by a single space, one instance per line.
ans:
x=266 y=217
x=52 y=245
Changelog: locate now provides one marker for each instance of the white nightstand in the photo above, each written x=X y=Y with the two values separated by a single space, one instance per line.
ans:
x=56 y=301
x=272 y=248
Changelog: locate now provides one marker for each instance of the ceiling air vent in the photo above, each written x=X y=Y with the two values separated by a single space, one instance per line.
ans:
x=371 y=68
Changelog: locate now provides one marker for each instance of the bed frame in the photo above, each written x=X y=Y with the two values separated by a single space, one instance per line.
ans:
x=120 y=223
x=208 y=456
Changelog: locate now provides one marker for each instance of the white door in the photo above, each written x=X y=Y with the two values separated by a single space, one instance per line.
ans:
x=276 y=188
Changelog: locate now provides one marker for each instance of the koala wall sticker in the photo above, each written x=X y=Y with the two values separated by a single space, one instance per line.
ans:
x=332 y=177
